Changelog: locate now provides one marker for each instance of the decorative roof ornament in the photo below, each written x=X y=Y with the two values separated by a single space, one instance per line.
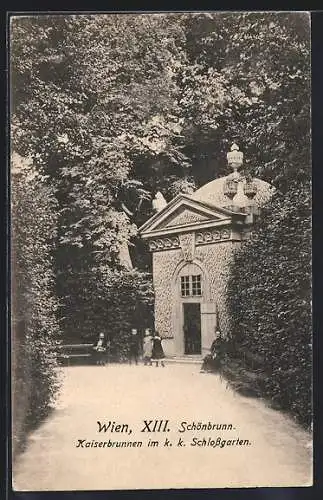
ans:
x=159 y=202
x=235 y=157
x=235 y=160
x=250 y=189
x=221 y=191
x=240 y=189
x=240 y=201
x=230 y=188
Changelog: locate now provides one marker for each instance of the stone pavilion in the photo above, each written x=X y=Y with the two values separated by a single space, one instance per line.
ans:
x=193 y=239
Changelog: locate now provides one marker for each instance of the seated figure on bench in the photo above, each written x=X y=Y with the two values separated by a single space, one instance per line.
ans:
x=211 y=361
x=100 y=350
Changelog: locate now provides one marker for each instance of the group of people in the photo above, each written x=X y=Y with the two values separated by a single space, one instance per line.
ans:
x=152 y=349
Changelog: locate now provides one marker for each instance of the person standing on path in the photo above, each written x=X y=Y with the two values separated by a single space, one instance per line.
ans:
x=147 y=348
x=157 y=352
x=134 y=346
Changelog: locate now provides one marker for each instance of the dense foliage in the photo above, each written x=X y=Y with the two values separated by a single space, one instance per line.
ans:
x=97 y=99
x=129 y=299
x=271 y=303
x=111 y=108
x=248 y=80
x=35 y=330
x=120 y=300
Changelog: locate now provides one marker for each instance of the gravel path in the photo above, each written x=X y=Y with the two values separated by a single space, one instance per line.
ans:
x=263 y=448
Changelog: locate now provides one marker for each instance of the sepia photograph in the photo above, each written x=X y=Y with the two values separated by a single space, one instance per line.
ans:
x=161 y=241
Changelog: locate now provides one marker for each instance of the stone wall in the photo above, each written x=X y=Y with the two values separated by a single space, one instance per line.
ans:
x=215 y=258
x=164 y=266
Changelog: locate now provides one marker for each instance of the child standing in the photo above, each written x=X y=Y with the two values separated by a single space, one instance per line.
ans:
x=157 y=352
x=100 y=350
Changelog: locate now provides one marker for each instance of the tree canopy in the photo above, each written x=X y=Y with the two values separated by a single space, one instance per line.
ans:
x=111 y=108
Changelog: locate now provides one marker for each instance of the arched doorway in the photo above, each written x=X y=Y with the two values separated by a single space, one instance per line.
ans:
x=190 y=293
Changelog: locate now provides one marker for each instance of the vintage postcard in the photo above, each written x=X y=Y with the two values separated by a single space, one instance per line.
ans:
x=161 y=333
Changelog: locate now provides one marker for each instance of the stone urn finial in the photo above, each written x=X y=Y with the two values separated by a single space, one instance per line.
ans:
x=235 y=160
x=235 y=157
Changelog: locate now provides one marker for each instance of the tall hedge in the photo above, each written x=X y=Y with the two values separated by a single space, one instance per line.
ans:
x=35 y=330
x=270 y=301
x=129 y=304
x=110 y=302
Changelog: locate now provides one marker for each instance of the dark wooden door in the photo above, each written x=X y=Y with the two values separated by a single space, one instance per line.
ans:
x=192 y=328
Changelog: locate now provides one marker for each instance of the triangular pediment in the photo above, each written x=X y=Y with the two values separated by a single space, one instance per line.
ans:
x=184 y=215
x=184 y=212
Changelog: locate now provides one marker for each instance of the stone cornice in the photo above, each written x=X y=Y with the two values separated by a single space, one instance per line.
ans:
x=204 y=237
x=188 y=228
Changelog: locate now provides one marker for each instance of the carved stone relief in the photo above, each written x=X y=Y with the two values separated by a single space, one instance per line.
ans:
x=187 y=242
x=185 y=217
x=164 y=244
x=212 y=235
